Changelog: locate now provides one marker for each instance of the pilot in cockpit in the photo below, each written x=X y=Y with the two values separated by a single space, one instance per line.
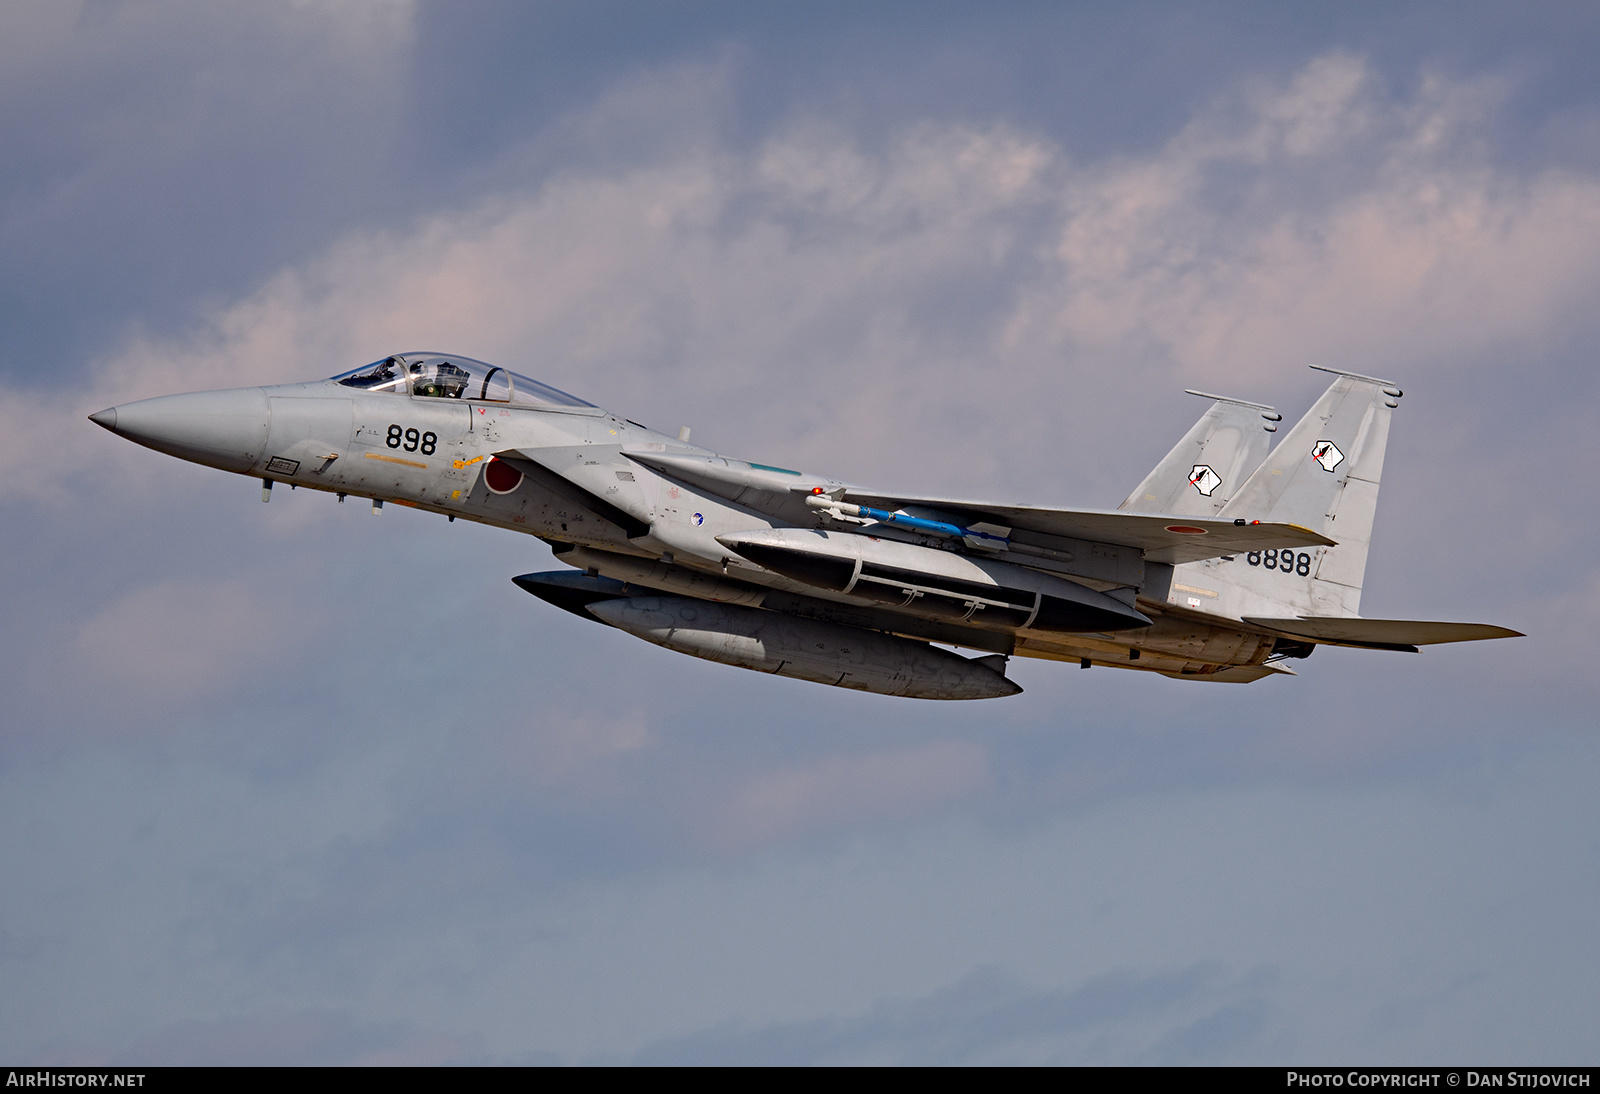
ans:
x=436 y=376
x=447 y=381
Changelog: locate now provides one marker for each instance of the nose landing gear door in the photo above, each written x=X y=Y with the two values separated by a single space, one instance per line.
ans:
x=308 y=437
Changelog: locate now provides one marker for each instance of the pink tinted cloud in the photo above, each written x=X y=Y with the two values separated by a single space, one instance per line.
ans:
x=845 y=791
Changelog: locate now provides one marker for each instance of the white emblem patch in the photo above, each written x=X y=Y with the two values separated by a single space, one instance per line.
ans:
x=1203 y=479
x=1327 y=454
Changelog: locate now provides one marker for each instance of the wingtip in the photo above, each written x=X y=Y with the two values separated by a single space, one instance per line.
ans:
x=1322 y=540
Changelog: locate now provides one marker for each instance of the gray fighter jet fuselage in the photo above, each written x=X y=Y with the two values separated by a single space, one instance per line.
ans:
x=1228 y=560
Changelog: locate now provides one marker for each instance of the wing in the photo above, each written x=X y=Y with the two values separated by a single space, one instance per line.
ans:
x=1162 y=537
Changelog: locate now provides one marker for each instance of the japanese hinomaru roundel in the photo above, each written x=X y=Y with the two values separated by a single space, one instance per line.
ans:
x=1225 y=563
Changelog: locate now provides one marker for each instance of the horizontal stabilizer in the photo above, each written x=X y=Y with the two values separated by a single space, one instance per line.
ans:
x=1167 y=538
x=1401 y=634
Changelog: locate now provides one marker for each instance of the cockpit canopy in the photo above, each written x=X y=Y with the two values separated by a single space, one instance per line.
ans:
x=443 y=376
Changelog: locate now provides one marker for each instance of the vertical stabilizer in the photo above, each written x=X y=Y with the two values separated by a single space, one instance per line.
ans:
x=1207 y=466
x=1323 y=475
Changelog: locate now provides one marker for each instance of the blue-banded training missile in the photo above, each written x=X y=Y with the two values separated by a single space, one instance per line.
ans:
x=990 y=537
x=826 y=653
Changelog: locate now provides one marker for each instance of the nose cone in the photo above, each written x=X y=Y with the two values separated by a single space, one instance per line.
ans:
x=224 y=429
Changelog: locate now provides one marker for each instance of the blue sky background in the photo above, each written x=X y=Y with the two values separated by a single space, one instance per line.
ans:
x=294 y=783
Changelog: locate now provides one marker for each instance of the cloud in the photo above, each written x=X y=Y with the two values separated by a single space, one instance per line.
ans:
x=1423 y=253
x=45 y=34
x=370 y=26
x=558 y=755
x=307 y=1038
x=871 y=287
x=1270 y=922
x=849 y=790
x=989 y=1016
x=164 y=154
x=168 y=643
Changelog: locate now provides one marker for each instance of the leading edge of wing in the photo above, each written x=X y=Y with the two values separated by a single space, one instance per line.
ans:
x=1405 y=634
x=1162 y=537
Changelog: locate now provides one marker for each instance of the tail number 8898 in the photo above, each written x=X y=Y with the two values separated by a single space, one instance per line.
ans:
x=1287 y=561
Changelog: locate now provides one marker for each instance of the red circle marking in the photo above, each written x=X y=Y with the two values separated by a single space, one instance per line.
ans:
x=1186 y=530
x=501 y=477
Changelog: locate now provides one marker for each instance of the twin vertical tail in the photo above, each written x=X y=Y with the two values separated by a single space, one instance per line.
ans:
x=1210 y=463
x=1324 y=475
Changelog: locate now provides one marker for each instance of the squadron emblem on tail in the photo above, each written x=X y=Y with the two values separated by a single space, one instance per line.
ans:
x=1203 y=479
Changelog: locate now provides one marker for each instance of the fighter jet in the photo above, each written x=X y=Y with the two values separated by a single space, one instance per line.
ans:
x=1232 y=558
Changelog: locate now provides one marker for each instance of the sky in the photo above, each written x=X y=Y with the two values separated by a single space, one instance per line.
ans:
x=294 y=783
